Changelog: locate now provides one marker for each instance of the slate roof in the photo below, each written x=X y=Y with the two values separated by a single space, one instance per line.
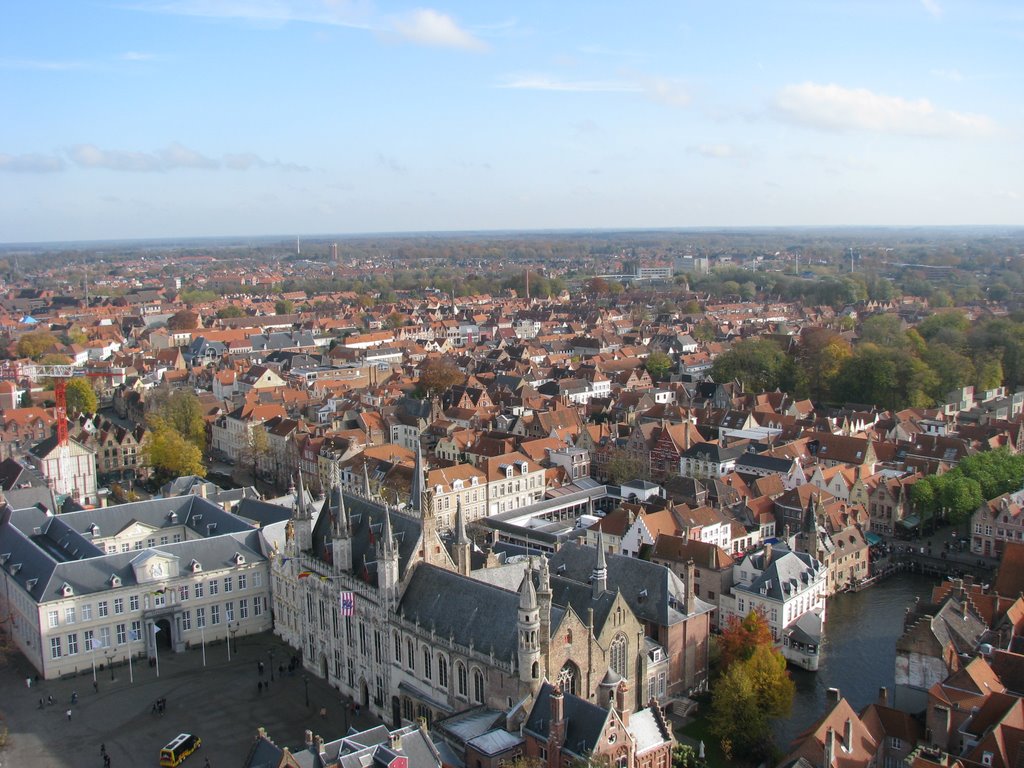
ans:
x=787 y=573
x=366 y=516
x=470 y=612
x=584 y=722
x=665 y=599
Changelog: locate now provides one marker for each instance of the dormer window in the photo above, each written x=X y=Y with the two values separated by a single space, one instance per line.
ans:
x=172 y=517
x=523 y=467
x=31 y=584
x=195 y=566
x=115 y=581
x=238 y=559
x=65 y=590
x=94 y=530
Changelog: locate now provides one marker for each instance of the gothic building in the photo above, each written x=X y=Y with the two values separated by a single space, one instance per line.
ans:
x=390 y=614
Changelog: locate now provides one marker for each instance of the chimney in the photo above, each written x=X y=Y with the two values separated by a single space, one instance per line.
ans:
x=883 y=696
x=832 y=697
x=622 y=703
x=691 y=595
x=848 y=735
x=556 y=729
x=767 y=556
x=318 y=744
x=830 y=748
x=396 y=741
x=308 y=738
x=940 y=734
x=202 y=490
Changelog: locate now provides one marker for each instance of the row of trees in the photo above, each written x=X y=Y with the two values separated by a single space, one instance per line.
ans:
x=891 y=366
x=177 y=434
x=976 y=479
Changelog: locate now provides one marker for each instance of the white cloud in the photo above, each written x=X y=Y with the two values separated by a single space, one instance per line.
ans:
x=835 y=108
x=137 y=56
x=718 y=151
x=172 y=157
x=42 y=65
x=91 y=156
x=429 y=27
x=247 y=160
x=932 y=7
x=31 y=163
x=667 y=91
x=545 y=83
x=340 y=13
x=953 y=75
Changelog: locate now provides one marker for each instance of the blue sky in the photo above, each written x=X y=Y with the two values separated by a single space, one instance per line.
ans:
x=164 y=118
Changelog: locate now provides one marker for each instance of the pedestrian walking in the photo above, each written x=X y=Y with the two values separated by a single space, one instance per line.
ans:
x=259 y=686
x=95 y=686
x=106 y=761
x=41 y=702
x=207 y=763
x=49 y=700
x=103 y=750
x=259 y=667
x=69 y=715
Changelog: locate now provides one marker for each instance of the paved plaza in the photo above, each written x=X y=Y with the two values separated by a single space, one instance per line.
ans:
x=221 y=703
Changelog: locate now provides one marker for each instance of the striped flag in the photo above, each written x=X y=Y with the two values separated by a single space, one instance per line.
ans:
x=305 y=574
x=348 y=603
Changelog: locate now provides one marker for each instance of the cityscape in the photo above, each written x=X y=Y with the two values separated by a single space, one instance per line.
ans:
x=511 y=386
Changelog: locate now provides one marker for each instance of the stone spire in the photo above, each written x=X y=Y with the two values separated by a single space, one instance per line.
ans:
x=366 y=479
x=599 y=577
x=463 y=546
x=529 y=632
x=418 y=484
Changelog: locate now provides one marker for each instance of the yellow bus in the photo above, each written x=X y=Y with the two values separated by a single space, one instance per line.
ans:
x=183 y=745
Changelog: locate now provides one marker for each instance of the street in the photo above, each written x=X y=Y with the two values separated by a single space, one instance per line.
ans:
x=221 y=703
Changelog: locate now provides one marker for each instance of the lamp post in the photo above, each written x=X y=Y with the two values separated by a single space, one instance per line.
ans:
x=271 y=652
x=109 y=656
x=234 y=636
x=305 y=681
x=232 y=631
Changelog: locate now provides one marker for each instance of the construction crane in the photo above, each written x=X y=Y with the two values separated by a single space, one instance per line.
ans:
x=60 y=374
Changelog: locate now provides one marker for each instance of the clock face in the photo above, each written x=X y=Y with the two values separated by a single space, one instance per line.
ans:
x=156 y=570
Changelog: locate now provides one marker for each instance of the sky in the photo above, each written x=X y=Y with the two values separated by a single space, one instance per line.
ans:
x=184 y=118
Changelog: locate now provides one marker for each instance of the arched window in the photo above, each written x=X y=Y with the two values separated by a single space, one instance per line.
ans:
x=462 y=685
x=410 y=655
x=535 y=671
x=407 y=708
x=478 y=686
x=617 y=655
x=398 y=648
x=569 y=679
x=426 y=662
x=442 y=671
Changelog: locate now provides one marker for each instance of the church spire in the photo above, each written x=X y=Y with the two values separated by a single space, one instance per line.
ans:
x=599 y=577
x=366 y=478
x=463 y=546
x=418 y=484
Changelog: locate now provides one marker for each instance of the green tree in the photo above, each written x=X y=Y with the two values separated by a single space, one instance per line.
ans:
x=80 y=397
x=819 y=360
x=256 y=447
x=170 y=454
x=230 y=311
x=760 y=364
x=741 y=637
x=623 y=467
x=35 y=344
x=736 y=716
x=883 y=330
x=181 y=410
x=961 y=496
x=658 y=364
x=284 y=307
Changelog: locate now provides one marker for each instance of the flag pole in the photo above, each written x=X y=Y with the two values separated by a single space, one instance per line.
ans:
x=202 y=634
x=92 y=653
x=156 y=649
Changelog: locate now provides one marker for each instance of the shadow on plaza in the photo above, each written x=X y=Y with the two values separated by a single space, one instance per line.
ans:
x=223 y=702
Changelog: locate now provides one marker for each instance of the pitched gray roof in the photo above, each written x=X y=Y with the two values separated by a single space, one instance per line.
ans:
x=584 y=722
x=470 y=612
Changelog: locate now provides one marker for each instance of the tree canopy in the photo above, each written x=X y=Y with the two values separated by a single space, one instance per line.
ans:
x=439 y=374
x=80 y=397
x=658 y=364
x=170 y=454
x=759 y=363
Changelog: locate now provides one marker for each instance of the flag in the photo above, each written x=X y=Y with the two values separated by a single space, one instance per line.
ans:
x=161 y=591
x=285 y=559
x=326 y=578
x=305 y=574
x=136 y=635
x=348 y=603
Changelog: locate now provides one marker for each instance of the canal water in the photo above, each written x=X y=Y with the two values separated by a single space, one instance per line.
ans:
x=859 y=652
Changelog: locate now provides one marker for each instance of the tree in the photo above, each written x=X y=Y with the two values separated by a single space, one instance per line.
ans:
x=80 y=397
x=741 y=637
x=760 y=364
x=658 y=364
x=180 y=410
x=883 y=330
x=230 y=311
x=773 y=686
x=394 y=320
x=184 y=320
x=819 y=358
x=170 y=454
x=736 y=717
x=623 y=467
x=256 y=447
x=439 y=374
x=35 y=344
x=284 y=307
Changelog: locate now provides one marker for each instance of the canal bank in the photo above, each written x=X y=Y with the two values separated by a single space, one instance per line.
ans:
x=859 y=653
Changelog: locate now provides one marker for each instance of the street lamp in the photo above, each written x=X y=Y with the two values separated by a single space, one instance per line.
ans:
x=271 y=652
x=110 y=659
x=233 y=631
x=305 y=681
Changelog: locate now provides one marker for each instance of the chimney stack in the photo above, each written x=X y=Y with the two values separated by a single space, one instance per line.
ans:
x=308 y=738
x=556 y=729
x=622 y=702
x=691 y=595
x=767 y=555
x=832 y=697
x=883 y=696
x=830 y=748
x=318 y=744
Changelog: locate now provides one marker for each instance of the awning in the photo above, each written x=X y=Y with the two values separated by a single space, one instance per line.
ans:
x=911 y=521
x=872 y=538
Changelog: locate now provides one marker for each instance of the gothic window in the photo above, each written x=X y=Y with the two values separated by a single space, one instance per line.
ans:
x=442 y=671
x=478 y=686
x=617 y=655
x=569 y=679
x=460 y=675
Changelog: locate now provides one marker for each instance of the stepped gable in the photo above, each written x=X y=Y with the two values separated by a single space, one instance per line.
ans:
x=472 y=613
